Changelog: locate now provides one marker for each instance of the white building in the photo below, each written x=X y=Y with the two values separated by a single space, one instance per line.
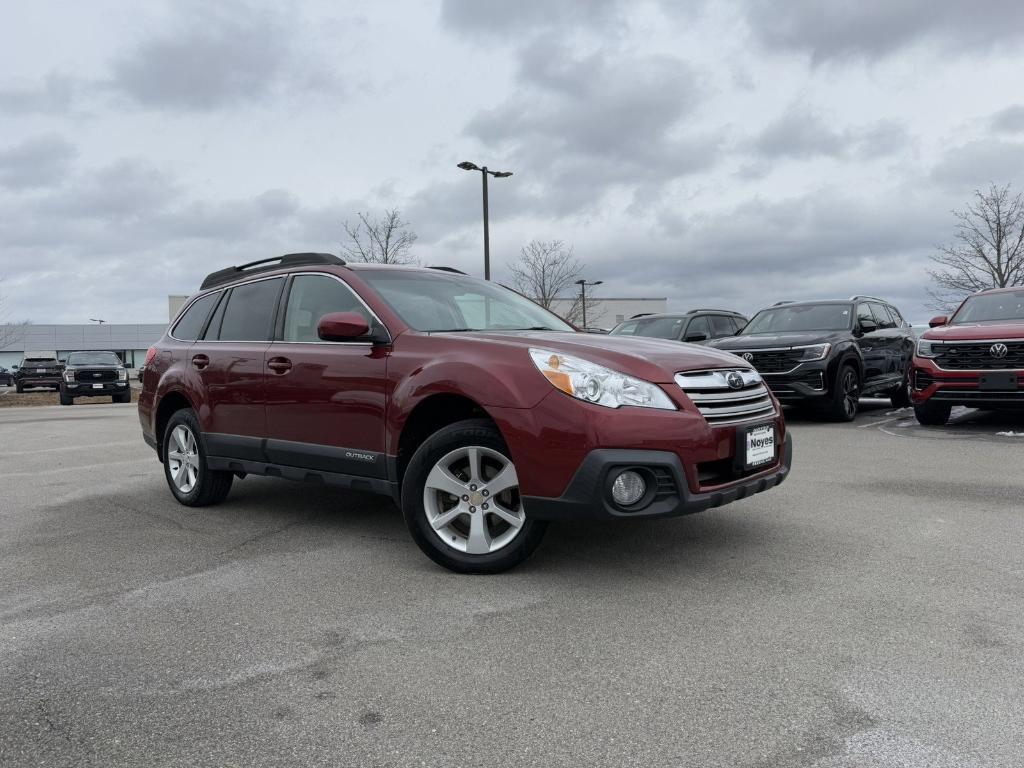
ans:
x=130 y=342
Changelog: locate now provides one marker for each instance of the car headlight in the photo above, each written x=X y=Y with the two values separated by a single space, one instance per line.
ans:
x=928 y=348
x=596 y=384
x=122 y=374
x=69 y=376
x=814 y=352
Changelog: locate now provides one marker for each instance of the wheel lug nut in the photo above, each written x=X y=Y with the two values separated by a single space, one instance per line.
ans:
x=486 y=492
x=484 y=506
x=472 y=487
x=472 y=509
x=465 y=497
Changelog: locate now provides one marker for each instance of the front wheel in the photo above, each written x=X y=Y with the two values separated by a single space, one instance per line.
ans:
x=900 y=397
x=845 y=400
x=190 y=480
x=123 y=397
x=65 y=398
x=932 y=414
x=19 y=388
x=461 y=501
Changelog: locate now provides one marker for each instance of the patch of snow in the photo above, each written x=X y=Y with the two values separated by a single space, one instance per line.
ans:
x=1011 y=433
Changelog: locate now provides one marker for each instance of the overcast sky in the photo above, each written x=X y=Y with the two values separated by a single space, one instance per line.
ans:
x=730 y=154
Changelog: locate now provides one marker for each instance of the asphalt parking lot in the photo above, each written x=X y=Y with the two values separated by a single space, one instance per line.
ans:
x=870 y=612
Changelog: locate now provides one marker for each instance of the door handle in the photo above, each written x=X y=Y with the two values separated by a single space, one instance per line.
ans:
x=279 y=365
x=200 y=361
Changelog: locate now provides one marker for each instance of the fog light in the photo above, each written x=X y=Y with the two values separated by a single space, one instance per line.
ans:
x=628 y=488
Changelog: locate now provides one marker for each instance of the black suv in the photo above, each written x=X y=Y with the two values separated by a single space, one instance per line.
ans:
x=38 y=372
x=827 y=354
x=696 y=326
x=94 y=374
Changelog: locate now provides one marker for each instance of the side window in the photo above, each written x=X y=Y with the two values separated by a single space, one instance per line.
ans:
x=895 y=314
x=310 y=298
x=697 y=327
x=739 y=323
x=213 y=329
x=721 y=325
x=864 y=313
x=882 y=316
x=191 y=323
x=250 y=311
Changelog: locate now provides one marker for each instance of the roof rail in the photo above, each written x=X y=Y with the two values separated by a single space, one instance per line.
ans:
x=780 y=303
x=641 y=314
x=265 y=265
x=448 y=269
x=712 y=309
x=868 y=298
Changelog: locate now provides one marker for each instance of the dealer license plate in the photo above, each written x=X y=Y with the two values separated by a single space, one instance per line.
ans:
x=97 y=386
x=40 y=370
x=760 y=445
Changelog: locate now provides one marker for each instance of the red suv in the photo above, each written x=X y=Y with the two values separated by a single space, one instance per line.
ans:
x=481 y=414
x=974 y=358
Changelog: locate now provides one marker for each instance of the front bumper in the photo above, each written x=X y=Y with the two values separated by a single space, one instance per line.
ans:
x=87 y=389
x=588 y=494
x=39 y=381
x=931 y=384
x=808 y=381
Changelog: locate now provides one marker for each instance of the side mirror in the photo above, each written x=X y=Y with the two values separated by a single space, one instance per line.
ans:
x=938 y=320
x=868 y=326
x=342 y=326
x=694 y=337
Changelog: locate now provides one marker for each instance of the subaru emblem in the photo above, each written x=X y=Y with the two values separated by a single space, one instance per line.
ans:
x=998 y=350
x=734 y=380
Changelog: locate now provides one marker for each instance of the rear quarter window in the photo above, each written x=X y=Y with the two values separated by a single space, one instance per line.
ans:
x=191 y=323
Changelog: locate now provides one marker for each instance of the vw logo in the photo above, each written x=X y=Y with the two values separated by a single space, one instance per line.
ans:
x=748 y=356
x=734 y=380
x=998 y=350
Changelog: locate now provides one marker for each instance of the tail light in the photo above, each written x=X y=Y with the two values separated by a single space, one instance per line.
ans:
x=150 y=354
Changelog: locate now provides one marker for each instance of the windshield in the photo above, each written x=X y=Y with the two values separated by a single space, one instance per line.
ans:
x=93 y=358
x=654 y=327
x=448 y=302
x=800 y=317
x=992 y=307
x=39 y=361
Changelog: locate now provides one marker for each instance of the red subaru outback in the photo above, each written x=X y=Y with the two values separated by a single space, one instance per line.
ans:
x=483 y=415
x=974 y=358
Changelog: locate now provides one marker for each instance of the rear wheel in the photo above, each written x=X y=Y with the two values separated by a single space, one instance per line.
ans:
x=461 y=501
x=900 y=396
x=845 y=399
x=190 y=480
x=932 y=414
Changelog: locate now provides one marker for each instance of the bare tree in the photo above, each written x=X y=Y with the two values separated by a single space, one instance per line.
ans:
x=10 y=333
x=988 y=249
x=379 y=239
x=547 y=271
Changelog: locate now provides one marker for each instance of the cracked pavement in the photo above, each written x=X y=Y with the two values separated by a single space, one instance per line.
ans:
x=869 y=612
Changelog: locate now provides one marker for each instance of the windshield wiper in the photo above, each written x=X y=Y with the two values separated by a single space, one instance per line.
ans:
x=450 y=330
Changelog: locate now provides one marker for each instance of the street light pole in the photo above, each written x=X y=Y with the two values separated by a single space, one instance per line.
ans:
x=583 y=284
x=468 y=166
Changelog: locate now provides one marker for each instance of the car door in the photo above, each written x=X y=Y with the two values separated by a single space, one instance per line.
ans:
x=872 y=346
x=890 y=339
x=230 y=359
x=325 y=399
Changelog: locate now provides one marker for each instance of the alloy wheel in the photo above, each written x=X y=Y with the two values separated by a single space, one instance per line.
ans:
x=471 y=497
x=850 y=392
x=183 y=458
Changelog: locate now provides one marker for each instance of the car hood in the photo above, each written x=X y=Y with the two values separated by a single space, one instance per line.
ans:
x=656 y=360
x=994 y=331
x=776 y=340
x=101 y=366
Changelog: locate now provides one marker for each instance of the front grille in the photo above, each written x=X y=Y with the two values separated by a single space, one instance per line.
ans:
x=95 y=377
x=922 y=379
x=720 y=403
x=979 y=357
x=772 y=360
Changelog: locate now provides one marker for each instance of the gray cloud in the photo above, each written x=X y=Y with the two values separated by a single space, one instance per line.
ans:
x=500 y=18
x=1009 y=120
x=52 y=96
x=800 y=133
x=854 y=28
x=215 y=55
x=977 y=163
x=39 y=162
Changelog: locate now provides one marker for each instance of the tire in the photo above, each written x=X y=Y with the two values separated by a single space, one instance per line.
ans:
x=453 y=457
x=199 y=486
x=65 y=398
x=900 y=397
x=845 y=398
x=932 y=414
x=123 y=398
x=19 y=388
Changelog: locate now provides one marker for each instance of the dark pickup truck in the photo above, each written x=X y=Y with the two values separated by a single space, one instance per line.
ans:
x=94 y=374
